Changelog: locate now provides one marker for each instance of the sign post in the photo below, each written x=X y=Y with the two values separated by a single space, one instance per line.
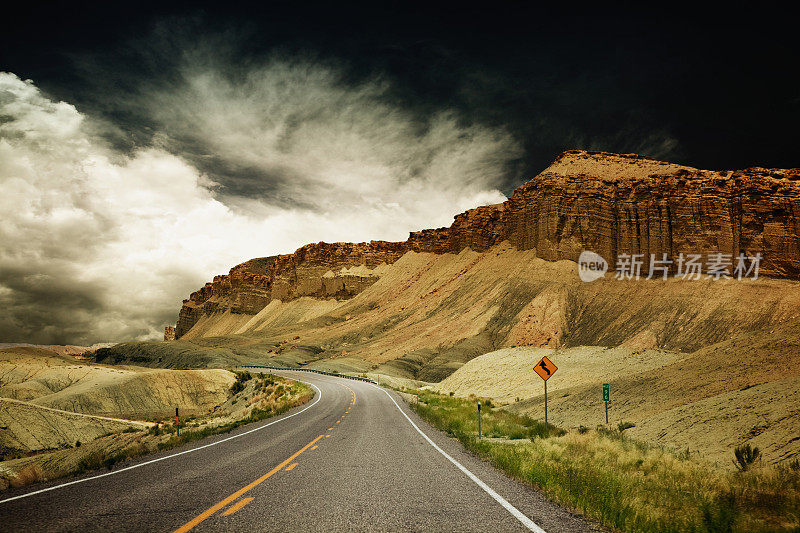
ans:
x=177 y=423
x=479 y=419
x=545 y=368
x=606 y=398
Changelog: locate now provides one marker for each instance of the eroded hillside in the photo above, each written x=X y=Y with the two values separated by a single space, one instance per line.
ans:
x=48 y=400
x=703 y=363
x=608 y=203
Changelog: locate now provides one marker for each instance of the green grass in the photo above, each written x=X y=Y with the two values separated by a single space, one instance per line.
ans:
x=296 y=394
x=621 y=483
x=460 y=419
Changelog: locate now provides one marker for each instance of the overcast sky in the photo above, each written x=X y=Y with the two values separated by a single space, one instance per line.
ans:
x=144 y=151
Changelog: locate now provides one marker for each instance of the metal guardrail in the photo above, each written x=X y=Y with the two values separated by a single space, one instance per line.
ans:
x=334 y=374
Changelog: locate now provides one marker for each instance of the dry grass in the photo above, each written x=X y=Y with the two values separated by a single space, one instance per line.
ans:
x=26 y=476
x=622 y=483
x=745 y=390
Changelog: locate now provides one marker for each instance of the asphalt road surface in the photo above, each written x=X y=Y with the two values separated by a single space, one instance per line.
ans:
x=354 y=458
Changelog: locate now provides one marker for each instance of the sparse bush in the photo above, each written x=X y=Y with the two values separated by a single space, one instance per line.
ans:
x=241 y=379
x=582 y=430
x=622 y=426
x=744 y=456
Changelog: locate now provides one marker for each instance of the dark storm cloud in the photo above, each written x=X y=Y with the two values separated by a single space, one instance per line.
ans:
x=102 y=244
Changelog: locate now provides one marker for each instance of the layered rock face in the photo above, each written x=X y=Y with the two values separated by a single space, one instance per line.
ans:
x=627 y=204
x=607 y=203
x=313 y=270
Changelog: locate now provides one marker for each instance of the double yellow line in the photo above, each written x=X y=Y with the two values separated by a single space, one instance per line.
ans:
x=241 y=503
x=213 y=509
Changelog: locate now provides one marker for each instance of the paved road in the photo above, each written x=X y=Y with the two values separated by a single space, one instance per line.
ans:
x=350 y=460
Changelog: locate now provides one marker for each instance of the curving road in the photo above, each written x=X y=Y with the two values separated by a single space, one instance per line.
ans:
x=355 y=458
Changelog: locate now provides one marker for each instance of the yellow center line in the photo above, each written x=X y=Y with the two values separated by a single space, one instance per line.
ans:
x=313 y=447
x=328 y=435
x=236 y=506
x=338 y=421
x=291 y=467
x=211 y=510
x=330 y=429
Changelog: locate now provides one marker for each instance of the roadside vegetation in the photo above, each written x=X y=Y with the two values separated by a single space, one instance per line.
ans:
x=253 y=398
x=622 y=483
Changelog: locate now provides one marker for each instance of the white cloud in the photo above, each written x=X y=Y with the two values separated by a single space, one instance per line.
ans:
x=98 y=246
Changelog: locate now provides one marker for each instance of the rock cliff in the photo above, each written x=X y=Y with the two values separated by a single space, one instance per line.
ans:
x=608 y=203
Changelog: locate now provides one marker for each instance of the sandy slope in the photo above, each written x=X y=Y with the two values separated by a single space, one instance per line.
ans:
x=744 y=390
x=432 y=313
x=48 y=387
x=507 y=374
x=27 y=427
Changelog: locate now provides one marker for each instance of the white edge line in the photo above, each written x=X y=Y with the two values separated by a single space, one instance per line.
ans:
x=527 y=522
x=82 y=480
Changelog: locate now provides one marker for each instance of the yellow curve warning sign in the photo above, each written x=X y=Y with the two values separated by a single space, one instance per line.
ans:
x=545 y=368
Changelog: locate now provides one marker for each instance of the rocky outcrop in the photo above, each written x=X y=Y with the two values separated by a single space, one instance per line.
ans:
x=608 y=203
x=169 y=333
x=313 y=270
x=628 y=204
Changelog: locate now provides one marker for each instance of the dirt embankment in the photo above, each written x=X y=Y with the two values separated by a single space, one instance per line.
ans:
x=745 y=390
x=50 y=401
x=428 y=314
x=251 y=398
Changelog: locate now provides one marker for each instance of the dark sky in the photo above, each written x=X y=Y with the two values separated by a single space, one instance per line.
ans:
x=712 y=86
x=158 y=145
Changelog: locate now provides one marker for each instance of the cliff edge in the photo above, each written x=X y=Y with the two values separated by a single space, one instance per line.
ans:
x=611 y=204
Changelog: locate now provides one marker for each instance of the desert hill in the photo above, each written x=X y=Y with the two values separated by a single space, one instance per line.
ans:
x=707 y=402
x=50 y=400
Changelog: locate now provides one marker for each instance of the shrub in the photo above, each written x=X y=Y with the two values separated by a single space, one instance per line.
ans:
x=624 y=484
x=622 y=426
x=744 y=456
x=241 y=379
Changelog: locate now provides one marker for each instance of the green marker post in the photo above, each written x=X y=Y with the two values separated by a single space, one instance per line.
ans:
x=606 y=398
x=479 y=420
